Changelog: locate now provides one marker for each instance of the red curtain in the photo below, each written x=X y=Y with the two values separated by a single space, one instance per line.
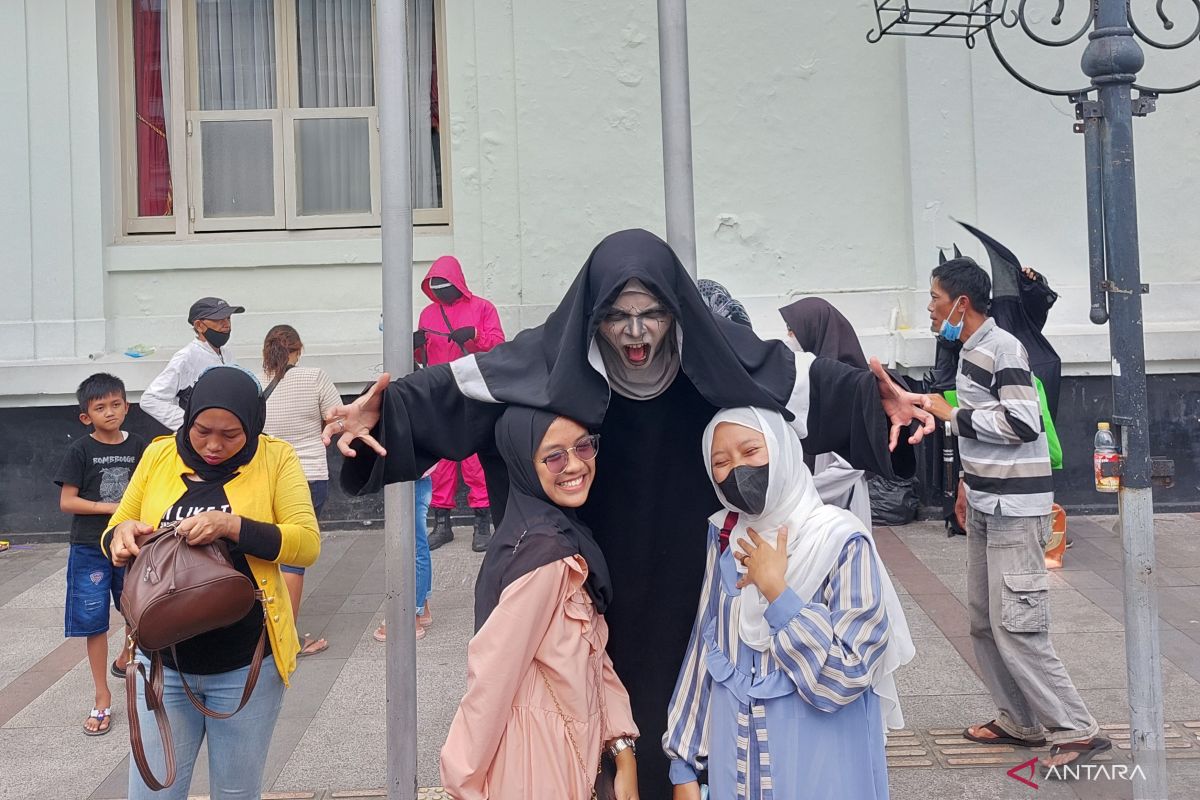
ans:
x=153 y=159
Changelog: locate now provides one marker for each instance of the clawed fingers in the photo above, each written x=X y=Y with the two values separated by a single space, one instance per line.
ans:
x=346 y=440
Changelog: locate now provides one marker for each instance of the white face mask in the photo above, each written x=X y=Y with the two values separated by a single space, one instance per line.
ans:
x=793 y=345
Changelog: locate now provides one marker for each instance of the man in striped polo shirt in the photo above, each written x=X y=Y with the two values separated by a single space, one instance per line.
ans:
x=1006 y=466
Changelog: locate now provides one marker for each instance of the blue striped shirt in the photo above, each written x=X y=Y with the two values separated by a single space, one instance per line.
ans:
x=822 y=650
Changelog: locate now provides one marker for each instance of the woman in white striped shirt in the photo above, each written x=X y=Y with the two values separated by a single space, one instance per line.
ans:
x=786 y=690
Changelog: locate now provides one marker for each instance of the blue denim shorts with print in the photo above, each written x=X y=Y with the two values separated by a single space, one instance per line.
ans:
x=91 y=581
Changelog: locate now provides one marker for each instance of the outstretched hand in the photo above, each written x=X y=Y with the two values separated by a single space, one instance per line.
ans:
x=356 y=420
x=902 y=408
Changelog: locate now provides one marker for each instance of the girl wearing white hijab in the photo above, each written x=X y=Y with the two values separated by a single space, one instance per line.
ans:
x=787 y=687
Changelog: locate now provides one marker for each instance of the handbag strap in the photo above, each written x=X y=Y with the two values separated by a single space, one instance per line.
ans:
x=450 y=328
x=251 y=680
x=567 y=724
x=266 y=393
x=153 y=703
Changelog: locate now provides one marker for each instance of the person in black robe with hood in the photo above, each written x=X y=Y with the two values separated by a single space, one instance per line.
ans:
x=1021 y=302
x=632 y=352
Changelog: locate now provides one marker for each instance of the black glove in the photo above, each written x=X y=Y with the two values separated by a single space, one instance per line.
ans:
x=418 y=339
x=462 y=335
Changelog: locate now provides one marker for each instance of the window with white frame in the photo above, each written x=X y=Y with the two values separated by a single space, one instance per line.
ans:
x=261 y=115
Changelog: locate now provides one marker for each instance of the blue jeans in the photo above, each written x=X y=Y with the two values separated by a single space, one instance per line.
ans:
x=91 y=580
x=422 y=494
x=237 y=747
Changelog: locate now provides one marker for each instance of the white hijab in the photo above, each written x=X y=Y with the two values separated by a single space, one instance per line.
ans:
x=817 y=534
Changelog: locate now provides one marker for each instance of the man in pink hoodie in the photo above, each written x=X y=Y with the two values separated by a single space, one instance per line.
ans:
x=455 y=324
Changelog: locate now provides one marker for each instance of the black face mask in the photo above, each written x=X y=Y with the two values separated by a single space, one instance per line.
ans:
x=746 y=488
x=216 y=338
x=447 y=294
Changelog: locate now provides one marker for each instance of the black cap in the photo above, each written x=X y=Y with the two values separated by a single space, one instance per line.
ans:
x=212 y=308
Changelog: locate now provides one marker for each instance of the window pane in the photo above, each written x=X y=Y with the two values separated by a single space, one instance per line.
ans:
x=333 y=169
x=151 y=103
x=425 y=118
x=335 y=53
x=238 y=159
x=235 y=44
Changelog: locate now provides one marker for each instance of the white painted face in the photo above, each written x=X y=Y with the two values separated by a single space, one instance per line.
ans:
x=636 y=326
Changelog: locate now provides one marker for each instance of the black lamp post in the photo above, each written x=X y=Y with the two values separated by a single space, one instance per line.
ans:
x=1105 y=110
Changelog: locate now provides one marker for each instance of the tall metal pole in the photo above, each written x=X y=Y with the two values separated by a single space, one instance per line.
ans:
x=1111 y=60
x=392 y=19
x=677 y=131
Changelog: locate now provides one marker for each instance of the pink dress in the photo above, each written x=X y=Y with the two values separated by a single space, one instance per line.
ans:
x=509 y=740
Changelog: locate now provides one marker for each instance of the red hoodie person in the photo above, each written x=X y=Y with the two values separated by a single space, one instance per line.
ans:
x=467 y=324
x=454 y=324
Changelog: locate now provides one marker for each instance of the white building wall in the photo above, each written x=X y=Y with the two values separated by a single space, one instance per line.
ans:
x=823 y=165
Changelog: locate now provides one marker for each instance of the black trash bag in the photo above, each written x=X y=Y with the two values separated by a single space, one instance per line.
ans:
x=893 y=502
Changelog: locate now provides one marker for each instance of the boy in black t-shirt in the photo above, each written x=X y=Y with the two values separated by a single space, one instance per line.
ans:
x=93 y=475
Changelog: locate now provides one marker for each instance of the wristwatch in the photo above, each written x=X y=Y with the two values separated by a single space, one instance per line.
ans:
x=621 y=743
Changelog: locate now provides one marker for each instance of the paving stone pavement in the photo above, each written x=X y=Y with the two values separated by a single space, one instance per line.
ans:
x=330 y=740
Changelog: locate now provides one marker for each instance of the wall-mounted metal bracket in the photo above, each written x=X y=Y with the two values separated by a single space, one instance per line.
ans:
x=1145 y=103
x=1084 y=110
x=1162 y=472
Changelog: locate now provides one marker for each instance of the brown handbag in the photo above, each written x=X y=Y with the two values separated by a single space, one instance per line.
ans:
x=174 y=591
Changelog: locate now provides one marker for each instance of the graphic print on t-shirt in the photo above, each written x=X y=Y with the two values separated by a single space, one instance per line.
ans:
x=101 y=472
x=177 y=513
x=113 y=483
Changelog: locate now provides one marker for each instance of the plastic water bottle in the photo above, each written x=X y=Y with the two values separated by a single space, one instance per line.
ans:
x=1106 y=453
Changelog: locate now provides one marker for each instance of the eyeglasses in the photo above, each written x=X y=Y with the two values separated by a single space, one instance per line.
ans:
x=586 y=449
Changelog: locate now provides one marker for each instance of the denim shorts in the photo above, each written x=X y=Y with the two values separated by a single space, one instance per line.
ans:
x=91 y=580
x=320 y=493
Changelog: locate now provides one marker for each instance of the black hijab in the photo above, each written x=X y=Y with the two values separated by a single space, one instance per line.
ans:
x=823 y=331
x=547 y=366
x=534 y=531
x=236 y=391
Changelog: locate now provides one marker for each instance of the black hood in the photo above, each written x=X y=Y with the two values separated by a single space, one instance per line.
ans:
x=547 y=366
x=1020 y=306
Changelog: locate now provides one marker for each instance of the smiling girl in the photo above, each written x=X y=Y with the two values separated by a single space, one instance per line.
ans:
x=542 y=698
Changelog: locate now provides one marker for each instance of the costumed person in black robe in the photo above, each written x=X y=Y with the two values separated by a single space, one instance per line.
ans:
x=1021 y=302
x=632 y=352
x=815 y=326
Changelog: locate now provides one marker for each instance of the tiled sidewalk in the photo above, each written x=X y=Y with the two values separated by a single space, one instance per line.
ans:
x=330 y=741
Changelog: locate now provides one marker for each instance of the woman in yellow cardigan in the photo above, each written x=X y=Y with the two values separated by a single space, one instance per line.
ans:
x=219 y=477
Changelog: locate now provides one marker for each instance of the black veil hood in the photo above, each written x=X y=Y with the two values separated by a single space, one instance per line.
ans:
x=1020 y=306
x=547 y=366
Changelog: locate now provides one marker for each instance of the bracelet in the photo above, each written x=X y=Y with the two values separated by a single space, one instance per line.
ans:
x=621 y=743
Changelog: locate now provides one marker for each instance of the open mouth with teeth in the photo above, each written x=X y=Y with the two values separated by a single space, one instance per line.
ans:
x=571 y=484
x=637 y=354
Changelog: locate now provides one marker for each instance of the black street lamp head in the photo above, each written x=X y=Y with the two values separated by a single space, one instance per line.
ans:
x=1113 y=53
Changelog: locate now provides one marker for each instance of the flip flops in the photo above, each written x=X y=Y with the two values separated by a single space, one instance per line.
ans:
x=104 y=724
x=117 y=672
x=1000 y=736
x=310 y=646
x=1086 y=750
